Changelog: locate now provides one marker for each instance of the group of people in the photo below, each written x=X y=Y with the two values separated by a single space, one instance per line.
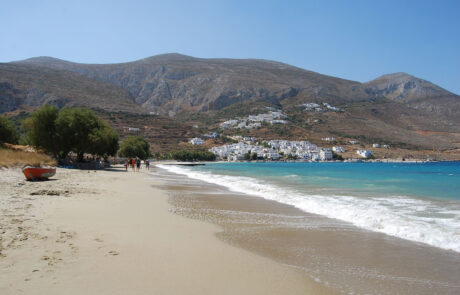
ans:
x=135 y=164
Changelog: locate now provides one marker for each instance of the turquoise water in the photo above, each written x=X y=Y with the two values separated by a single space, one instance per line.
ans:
x=419 y=202
x=433 y=180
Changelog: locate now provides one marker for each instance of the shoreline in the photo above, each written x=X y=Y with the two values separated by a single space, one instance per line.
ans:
x=364 y=261
x=112 y=232
x=397 y=161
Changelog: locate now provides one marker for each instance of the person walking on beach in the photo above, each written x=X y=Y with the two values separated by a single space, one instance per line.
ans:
x=147 y=164
x=138 y=164
x=126 y=164
x=133 y=164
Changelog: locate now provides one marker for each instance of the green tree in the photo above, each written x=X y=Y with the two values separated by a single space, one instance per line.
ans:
x=135 y=146
x=337 y=157
x=78 y=130
x=7 y=131
x=41 y=131
x=104 y=141
x=254 y=156
x=82 y=131
x=291 y=157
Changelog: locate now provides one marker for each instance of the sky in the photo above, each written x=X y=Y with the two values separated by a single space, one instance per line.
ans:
x=350 y=39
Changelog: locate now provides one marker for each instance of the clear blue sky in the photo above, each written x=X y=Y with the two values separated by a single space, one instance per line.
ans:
x=356 y=40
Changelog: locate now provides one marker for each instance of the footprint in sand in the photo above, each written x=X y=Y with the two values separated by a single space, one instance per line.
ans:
x=64 y=236
x=113 y=253
x=73 y=248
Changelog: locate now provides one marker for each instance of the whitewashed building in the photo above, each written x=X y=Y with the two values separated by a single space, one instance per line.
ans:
x=325 y=154
x=274 y=156
x=212 y=135
x=133 y=130
x=196 y=141
x=364 y=153
x=228 y=124
x=278 y=122
x=338 y=149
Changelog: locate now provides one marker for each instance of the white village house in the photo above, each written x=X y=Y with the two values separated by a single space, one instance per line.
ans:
x=338 y=149
x=364 y=153
x=325 y=154
x=131 y=129
x=196 y=140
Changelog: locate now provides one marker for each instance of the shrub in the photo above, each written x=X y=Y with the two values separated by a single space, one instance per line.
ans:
x=247 y=156
x=337 y=157
x=7 y=131
x=194 y=156
x=11 y=158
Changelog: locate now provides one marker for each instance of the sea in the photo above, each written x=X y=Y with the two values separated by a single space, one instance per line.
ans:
x=393 y=225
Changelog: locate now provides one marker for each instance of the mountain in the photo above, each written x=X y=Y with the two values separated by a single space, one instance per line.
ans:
x=173 y=82
x=397 y=108
x=403 y=87
x=414 y=92
x=29 y=85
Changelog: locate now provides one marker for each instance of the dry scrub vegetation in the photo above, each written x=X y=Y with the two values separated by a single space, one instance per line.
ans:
x=12 y=158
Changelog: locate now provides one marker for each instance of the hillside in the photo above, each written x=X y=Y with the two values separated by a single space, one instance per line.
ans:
x=163 y=134
x=172 y=82
x=398 y=109
x=32 y=86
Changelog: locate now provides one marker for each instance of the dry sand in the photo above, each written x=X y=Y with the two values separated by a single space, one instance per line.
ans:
x=111 y=232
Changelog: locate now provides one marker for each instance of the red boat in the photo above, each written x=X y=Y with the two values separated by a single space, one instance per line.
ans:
x=38 y=173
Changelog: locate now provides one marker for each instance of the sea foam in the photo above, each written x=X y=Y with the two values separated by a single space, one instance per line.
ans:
x=408 y=218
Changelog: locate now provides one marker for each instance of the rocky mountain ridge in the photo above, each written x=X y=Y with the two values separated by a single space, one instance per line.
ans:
x=396 y=107
x=170 y=83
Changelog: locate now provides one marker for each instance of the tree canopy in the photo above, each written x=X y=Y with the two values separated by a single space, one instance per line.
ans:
x=41 y=129
x=135 y=146
x=7 y=131
x=81 y=131
x=194 y=156
x=78 y=130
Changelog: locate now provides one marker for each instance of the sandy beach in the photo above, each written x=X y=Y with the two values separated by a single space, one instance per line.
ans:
x=113 y=232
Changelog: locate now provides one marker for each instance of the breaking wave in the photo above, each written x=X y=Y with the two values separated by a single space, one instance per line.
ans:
x=418 y=220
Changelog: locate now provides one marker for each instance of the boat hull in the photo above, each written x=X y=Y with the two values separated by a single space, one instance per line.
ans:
x=38 y=173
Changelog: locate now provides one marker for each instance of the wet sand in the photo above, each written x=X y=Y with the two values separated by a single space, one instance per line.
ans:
x=336 y=254
x=113 y=232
